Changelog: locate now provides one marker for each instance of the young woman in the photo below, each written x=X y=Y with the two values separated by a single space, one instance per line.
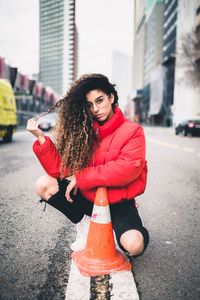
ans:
x=94 y=145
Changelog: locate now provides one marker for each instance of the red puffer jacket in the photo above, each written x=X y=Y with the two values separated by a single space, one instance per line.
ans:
x=118 y=163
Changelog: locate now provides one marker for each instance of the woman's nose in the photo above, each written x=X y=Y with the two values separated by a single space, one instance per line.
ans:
x=95 y=107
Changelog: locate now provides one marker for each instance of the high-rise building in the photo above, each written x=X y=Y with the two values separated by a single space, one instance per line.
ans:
x=153 y=71
x=153 y=40
x=169 y=53
x=138 y=59
x=187 y=67
x=58 y=40
x=148 y=23
x=197 y=15
x=139 y=43
x=168 y=57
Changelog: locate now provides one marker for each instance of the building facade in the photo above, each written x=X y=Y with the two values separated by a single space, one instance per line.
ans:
x=139 y=44
x=153 y=71
x=57 y=44
x=169 y=54
x=147 y=58
x=187 y=90
x=134 y=110
x=168 y=58
x=153 y=44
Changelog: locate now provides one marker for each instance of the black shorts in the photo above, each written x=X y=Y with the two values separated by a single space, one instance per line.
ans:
x=124 y=215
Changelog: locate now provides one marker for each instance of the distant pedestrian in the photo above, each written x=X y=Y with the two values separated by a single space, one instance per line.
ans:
x=94 y=145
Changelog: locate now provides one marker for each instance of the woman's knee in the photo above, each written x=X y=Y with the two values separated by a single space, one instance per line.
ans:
x=133 y=242
x=46 y=186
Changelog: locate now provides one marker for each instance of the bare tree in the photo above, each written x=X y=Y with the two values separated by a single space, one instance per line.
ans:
x=189 y=57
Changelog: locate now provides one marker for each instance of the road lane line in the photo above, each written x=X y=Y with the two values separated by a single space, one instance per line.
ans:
x=163 y=143
x=78 y=286
x=123 y=286
x=188 y=149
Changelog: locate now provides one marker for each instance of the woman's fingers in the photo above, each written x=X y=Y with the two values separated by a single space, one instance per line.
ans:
x=32 y=124
x=72 y=185
x=68 y=190
x=67 y=195
x=75 y=190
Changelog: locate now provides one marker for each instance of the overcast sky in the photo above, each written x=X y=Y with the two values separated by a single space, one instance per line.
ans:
x=19 y=43
x=110 y=20
x=104 y=27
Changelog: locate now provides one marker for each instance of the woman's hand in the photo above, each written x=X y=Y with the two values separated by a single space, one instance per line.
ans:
x=32 y=126
x=72 y=185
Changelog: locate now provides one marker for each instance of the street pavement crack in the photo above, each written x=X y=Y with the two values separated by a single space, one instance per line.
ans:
x=100 y=287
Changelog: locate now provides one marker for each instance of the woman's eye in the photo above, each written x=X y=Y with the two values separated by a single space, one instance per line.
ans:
x=99 y=101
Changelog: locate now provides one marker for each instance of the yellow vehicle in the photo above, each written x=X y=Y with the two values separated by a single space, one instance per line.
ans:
x=8 y=117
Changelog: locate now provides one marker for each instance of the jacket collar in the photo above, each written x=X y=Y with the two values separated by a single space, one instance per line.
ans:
x=111 y=125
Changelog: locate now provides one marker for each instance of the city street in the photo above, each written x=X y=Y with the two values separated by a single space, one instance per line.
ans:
x=35 y=244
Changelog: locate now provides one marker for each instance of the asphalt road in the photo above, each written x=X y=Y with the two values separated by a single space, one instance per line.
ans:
x=35 y=254
x=169 y=270
x=35 y=245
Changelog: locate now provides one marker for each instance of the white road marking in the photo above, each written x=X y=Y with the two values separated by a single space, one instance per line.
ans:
x=188 y=149
x=78 y=285
x=163 y=143
x=123 y=286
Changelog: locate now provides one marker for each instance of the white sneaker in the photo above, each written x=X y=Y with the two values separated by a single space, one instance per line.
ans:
x=82 y=229
x=116 y=243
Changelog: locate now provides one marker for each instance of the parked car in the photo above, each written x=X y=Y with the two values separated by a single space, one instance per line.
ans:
x=190 y=126
x=47 y=122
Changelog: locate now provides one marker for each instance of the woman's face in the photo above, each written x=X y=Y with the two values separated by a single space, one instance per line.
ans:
x=100 y=105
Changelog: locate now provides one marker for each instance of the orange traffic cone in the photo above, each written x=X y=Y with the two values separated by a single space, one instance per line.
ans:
x=100 y=255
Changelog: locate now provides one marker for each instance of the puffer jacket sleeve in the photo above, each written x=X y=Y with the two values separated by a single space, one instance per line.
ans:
x=49 y=157
x=120 y=172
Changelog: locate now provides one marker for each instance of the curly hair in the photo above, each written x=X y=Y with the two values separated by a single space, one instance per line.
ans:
x=74 y=135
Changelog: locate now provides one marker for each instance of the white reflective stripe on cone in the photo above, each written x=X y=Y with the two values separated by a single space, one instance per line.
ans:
x=101 y=214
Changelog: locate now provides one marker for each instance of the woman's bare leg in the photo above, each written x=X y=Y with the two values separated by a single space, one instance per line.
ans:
x=46 y=186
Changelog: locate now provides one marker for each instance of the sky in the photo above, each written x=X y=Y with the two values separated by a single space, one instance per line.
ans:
x=19 y=34
x=105 y=27
x=105 y=41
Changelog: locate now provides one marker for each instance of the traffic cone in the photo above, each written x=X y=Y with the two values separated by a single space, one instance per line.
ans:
x=100 y=256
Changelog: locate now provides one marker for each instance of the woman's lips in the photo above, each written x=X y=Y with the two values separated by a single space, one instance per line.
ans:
x=98 y=116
